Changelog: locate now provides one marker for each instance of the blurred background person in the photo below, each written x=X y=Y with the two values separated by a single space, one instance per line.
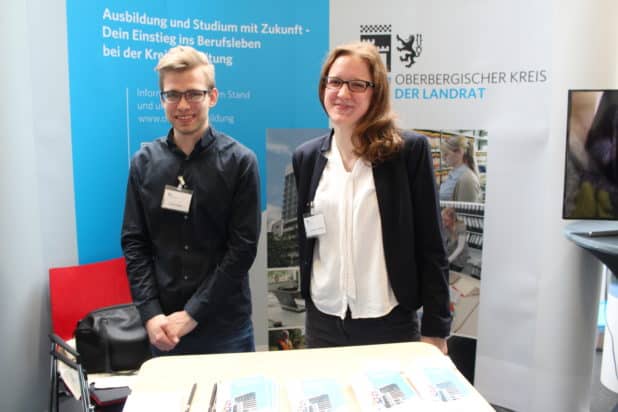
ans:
x=455 y=239
x=284 y=342
x=462 y=183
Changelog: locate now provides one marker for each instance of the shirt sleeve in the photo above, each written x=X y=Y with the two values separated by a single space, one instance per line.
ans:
x=243 y=233
x=137 y=249
x=467 y=188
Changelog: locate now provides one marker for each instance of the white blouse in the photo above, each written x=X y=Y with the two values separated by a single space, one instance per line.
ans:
x=349 y=269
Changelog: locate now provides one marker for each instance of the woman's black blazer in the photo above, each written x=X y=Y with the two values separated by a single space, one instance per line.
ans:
x=410 y=214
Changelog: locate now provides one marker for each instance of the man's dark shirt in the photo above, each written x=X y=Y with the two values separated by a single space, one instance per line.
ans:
x=196 y=261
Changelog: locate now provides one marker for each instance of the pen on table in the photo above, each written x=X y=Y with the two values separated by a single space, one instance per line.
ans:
x=213 y=398
x=190 y=400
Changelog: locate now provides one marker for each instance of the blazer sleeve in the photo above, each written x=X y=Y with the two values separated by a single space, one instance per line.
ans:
x=299 y=166
x=432 y=264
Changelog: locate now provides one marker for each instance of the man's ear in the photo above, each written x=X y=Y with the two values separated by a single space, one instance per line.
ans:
x=213 y=97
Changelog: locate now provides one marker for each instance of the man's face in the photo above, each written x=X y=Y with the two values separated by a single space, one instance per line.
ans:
x=189 y=119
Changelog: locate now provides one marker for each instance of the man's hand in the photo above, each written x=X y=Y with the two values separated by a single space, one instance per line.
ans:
x=439 y=343
x=179 y=324
x=157 y=334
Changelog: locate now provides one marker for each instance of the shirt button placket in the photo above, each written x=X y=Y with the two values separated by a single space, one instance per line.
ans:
x=186 y=248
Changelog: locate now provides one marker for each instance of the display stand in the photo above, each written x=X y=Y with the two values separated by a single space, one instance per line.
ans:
x=589 y=236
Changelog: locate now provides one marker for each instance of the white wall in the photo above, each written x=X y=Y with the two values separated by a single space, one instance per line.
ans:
x=36 y=207
x=537 y=314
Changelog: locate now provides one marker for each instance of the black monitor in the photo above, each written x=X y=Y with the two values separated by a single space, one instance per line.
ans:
x=591 y=163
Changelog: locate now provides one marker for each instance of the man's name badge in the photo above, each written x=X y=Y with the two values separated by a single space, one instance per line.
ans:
x=314 y=225
x=176 y=199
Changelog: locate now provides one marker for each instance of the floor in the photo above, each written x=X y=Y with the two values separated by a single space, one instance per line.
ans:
x=603 y=400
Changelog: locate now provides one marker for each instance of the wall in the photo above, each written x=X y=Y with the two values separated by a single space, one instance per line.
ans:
x=36 y=211
x=534 y=275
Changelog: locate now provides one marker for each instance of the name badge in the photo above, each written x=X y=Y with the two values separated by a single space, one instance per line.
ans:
x=314 y=225
x=176 y=199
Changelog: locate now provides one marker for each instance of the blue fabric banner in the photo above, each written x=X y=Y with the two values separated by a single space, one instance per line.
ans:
x=267 y=56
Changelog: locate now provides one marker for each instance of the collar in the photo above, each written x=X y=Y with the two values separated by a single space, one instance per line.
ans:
x=326 y=142
x=459 y=170
x=206 y=140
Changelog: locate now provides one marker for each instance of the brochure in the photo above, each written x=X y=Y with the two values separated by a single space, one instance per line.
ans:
x=316 y=395
x=249 y=394
x=384 y=390
x=437 y=380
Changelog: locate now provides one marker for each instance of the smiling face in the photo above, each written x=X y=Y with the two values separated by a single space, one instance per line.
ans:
x=345 y=108
x=189 y=120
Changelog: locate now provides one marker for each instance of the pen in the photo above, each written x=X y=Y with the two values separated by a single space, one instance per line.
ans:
x=190 y=400
x=213 y=398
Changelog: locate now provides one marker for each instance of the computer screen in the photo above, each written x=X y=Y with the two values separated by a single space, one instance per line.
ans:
x=591 y=162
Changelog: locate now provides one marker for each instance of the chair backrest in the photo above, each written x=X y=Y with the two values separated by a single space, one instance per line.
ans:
x=76 y=290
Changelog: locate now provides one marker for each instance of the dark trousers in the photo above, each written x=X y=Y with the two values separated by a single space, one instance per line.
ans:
x=199 y=342
x=322 y=330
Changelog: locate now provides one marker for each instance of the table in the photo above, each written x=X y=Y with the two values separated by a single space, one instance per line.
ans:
x=604 y=248
x=178 y=373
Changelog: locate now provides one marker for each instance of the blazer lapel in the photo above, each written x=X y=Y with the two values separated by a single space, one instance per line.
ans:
x=380 y=179
x=389 y=189
x=320 y=163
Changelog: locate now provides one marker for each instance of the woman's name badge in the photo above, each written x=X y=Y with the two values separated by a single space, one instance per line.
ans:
x=177 y=199
x=314 y=225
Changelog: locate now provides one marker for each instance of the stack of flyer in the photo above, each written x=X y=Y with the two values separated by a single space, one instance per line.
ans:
x=384 y=389
x=392 y=388
x=316 y=395
x=249 y=394
x=437 y=380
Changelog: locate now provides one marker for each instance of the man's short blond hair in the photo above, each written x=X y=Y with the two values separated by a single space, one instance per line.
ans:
x=181 y=58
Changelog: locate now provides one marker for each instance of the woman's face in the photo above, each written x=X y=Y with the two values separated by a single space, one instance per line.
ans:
x=346 y=108
x=452 y=158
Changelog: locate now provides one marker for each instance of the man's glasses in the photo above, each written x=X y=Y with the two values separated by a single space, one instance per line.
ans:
x=191 y=96
x=355 y=86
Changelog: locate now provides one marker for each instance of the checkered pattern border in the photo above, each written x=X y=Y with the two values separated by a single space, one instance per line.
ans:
x=375 y=28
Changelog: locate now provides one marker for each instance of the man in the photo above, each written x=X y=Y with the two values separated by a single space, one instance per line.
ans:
x=192 y=220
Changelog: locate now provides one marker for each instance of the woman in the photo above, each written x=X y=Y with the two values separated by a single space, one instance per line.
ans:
x=462 y=183
x=455 y=239
x=371 y=252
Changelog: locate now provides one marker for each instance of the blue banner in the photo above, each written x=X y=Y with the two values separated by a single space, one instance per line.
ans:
x=267 y=56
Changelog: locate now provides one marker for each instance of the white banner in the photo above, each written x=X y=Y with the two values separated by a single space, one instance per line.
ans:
x=480 y=66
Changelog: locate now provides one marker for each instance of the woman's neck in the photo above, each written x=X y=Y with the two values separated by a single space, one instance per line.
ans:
x=458 y=163
x=343 y=140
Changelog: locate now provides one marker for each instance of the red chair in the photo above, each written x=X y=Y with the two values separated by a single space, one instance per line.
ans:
x=76 y=290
